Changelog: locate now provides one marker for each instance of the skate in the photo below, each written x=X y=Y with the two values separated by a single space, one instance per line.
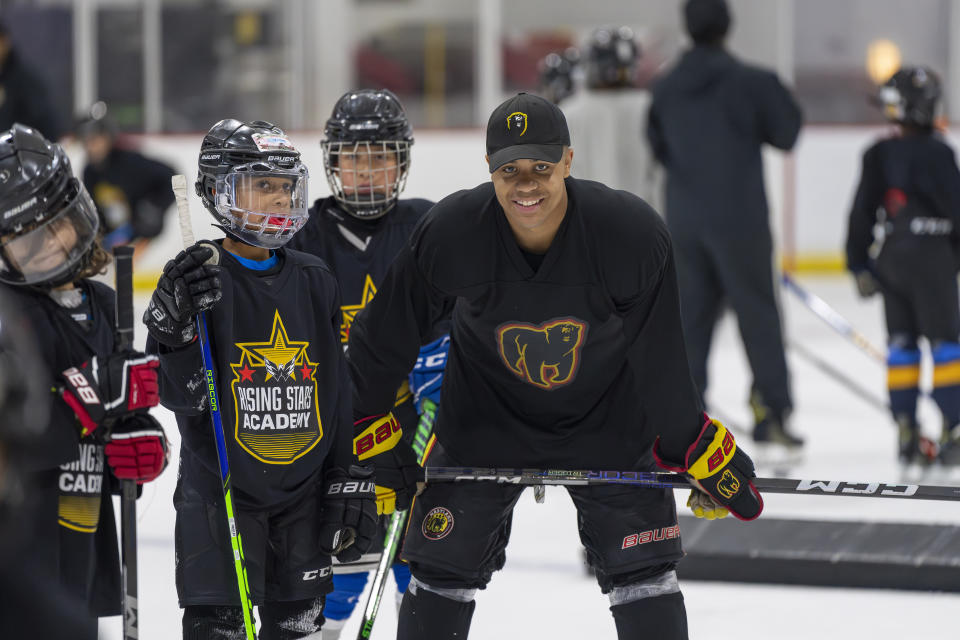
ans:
x=776 y=448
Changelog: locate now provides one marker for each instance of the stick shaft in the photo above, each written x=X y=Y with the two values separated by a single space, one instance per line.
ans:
x=664 y=480
x=179 y=184
x=123 y=259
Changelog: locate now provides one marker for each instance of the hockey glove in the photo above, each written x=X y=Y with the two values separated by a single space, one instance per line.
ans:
x=719 y=468
x=399 y=477
x=190 y=284
x=137 y=448
x=349 y=519
x=867 y=284
x=103 y=389
x=427 y=375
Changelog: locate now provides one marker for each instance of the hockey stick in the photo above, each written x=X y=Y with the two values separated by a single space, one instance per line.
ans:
x=179 y=183
x=123 y=257
x=397 y=521
x=852 y=386
x=664 y=480
x=839 y=324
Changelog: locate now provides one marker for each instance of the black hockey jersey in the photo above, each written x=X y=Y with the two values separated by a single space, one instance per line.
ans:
x=359 y=252
x=281 y=380
x=75 y=530
x=580 y=363
x=914 y=181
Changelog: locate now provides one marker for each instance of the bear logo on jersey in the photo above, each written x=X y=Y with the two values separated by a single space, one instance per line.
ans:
x=437 y=524
x=545 y=355
x=518 y=120
x=277 y=415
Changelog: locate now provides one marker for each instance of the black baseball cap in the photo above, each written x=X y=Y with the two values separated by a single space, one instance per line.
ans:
x=526 y=126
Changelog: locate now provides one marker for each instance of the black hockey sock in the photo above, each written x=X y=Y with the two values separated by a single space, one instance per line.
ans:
x=212 y=622
x=662 y=617
x=428 y=616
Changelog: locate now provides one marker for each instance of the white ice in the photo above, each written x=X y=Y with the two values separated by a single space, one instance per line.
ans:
x=543 y=592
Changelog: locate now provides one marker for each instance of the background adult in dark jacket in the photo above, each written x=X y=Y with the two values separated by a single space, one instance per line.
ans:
x=710 y=116
x=23 y=94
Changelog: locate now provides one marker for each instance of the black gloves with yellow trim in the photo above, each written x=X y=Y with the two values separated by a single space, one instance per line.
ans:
x=377 y=441
x=721 y=473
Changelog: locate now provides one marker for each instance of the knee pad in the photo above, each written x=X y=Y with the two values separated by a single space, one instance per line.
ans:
x=347 y=589
x=652 y=587
x=213 y=622
x=290 y=620
x=435 y=613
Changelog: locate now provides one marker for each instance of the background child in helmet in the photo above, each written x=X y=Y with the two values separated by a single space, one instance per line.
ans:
x=48 y=252
x=910 y=183
x=606 y=117
x=358 y=231
x=273 y=316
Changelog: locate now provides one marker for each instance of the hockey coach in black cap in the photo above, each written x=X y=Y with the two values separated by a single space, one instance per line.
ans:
x=566 y=353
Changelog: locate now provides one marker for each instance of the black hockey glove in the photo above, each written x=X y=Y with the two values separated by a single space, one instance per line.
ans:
x=106 y=388
x=720 y=469
x=399 y=477
x=349 y=519
x=190 y=284
x=867 y=284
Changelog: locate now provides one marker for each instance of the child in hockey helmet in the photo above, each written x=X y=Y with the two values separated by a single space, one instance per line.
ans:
x=48 y=223
x=251 y=180
x=910 y=97
x=366 y=152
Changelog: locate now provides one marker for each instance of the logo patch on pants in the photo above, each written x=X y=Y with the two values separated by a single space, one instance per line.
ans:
x=438 y=524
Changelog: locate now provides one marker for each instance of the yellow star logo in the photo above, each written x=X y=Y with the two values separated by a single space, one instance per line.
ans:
x=350 y=311
x=279 y=349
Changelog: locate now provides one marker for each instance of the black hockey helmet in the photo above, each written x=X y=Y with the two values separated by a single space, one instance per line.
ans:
x=611 y=59
x=48 y=223
x=366 y=151
x=555 y=74
x=910 y=97
x=250 y=178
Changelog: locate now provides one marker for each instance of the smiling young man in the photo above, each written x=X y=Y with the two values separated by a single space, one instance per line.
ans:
x=566 y=352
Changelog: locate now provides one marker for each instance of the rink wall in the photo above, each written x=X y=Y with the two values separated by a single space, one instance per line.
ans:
x=810 y=191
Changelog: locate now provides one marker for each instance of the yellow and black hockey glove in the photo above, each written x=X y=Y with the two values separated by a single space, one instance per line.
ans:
x=377 y=441
x=721 y=470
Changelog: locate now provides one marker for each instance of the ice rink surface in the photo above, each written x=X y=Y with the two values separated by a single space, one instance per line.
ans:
x=544 y=592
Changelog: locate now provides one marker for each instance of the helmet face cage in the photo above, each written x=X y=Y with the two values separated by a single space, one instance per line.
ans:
x=612 y=58
x=52 y=248
x=262 y=203
x=366 y=177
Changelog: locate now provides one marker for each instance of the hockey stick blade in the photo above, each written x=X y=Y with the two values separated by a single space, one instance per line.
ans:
x=665 y=480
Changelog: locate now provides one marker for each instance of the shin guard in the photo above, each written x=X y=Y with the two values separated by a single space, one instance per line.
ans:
x=425 y=615
x=946 y=380
x=662 y=617
x=903 y=380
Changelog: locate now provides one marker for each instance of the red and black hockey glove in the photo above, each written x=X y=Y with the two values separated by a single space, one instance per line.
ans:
x=349 y=519
x=190 y=283
x=378 y=440
x=137 y=448
x=720 y=469
x=106 y=388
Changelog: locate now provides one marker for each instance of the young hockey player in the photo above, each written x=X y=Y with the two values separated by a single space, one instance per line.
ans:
x=910 y=183
x=566 y=352
x=273 y=317
x=358 y=231
x=98 y=430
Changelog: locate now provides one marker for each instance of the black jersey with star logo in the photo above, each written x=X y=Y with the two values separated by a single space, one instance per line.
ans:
x=282 y=385
x=577 y=363
x=359 y=252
